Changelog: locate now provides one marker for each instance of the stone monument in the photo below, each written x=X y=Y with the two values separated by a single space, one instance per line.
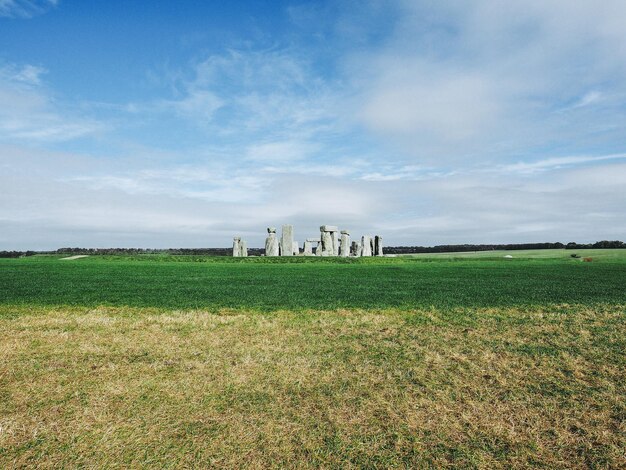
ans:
x=286 y=241
x=326 y=244
x=236 y=246
x=329 y=232
x=378 y=245
x=345 y=243
x=308 y=246
x=366 y=245
x=271 y=243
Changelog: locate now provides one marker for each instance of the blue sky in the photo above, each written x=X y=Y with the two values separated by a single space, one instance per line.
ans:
x=181 y=124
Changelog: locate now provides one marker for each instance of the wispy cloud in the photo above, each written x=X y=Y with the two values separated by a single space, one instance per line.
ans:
x=479 y=81
x=25 y=8
x=555 y=163
x=29 y=113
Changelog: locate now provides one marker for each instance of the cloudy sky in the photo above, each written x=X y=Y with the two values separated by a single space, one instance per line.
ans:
x=181 y=124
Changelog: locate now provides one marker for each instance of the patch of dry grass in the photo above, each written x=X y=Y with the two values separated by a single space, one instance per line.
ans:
x=490 y=388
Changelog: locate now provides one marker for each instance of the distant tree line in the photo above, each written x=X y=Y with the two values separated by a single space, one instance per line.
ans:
x=510 y=246
x=601 y=244
x=16 y=254
x=260 y=251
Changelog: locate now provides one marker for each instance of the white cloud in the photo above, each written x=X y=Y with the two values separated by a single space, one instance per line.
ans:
x=465 y=82
x=56 y=199
x=25 y=8
x=280 y=151
x=29 y=113
x=555 y=163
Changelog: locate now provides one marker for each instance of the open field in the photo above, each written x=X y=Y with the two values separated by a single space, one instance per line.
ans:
x=312 y=283
x=471 y=362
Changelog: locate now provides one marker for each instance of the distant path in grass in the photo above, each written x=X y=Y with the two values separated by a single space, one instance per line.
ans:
x=74 y=257
x=309 y=283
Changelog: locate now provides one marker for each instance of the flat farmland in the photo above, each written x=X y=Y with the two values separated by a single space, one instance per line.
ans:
x=461 y=280
x=441 y=361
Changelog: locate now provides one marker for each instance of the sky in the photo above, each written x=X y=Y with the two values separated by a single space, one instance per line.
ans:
x=161 y=124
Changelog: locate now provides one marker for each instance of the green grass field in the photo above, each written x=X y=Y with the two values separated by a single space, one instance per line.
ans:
x=308 y=283
x=450 y=360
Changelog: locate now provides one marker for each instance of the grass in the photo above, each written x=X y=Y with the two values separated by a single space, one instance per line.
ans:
x=311 y=283
x=438 y=361
x=486 y=388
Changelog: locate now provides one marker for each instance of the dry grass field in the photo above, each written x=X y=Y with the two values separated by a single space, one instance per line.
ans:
x=121 y=387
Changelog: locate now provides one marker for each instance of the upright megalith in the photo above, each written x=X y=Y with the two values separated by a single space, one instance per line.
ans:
x=296 y=248
x=243 y=248
x=326 y=239
x=366 y=245
x=240 y=247
x=271 y=243
x=286 y=241
x=329 y=248
x=378 y=245
x=345 y=244
x=355 y=249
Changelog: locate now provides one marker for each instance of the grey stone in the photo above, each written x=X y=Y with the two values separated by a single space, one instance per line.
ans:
x=236 y=246
x=296 y=248
x=358 y=251
x=345 y=232
x=313 y=240
x=326 y=245
x=243 y=249
x=271 y=243
x=335 y=236
x=329 y=228
x=366 y=245
x=345 y=244
x=308 y=248
x=286 y=242
x=318 y=249
x=378 y=245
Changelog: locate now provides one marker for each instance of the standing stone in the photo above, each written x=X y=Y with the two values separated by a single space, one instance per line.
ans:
x=236 y=246
x=271 y=243
x=330 y=248
x=243 y=249
x=286 y=241
x=345 y=243
x=366 y=245
x=326 y=244
x=335 y=236
x=378 y=245
x=296 y=248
